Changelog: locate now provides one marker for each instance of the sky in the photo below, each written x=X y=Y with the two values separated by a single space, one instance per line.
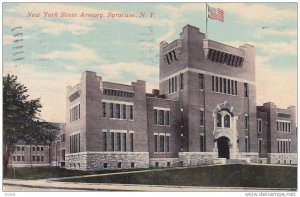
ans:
x=49 y=45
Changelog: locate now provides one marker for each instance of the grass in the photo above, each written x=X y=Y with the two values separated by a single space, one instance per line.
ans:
x=218 y=176
x=32 y=173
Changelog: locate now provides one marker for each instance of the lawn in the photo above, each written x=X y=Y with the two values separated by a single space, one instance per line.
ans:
x=220 y=176
x=32 y=173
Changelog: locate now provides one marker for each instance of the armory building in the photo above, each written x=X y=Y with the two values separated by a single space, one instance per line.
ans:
x=203 y=113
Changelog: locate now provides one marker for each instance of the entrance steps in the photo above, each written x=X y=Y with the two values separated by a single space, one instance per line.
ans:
x=236 y=161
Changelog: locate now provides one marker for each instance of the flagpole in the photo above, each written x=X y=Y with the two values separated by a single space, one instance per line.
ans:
x=206 y=21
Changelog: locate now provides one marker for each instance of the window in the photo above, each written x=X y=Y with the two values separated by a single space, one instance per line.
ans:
x=228 y=86
x=201 y=81
x=170 y=57
x=38 y=148
x=202 y=142
x=131 y=142
x=227 y=121
x=111 y=110
x=168 y=164
x=155 y=143
x=119 y=165
x=246 y=122
x=18 y=158
x=75 y=113
x=221 y=84
x=18 y=148
x=105 y=165
x=14 y=158
x=124 y=142
x=112 y=141
x=181 y=81
x=105 y=141
x=118 y=110
x=217 y=84
x=75 y=143
x=42 y=158
x=132 y=165
x=155 y=116
x=235 y=87
x=63 y=154
x=167 y=144
x=118 y=147
x=23 y=148
x=213 y=83
x=170 y=84
x=124 y=112
x=219 y=120
x=104 y=109
x=173 y=84
x=63 y=137
x=260 y=145
x=23 y=158
x=232 y=88
x=33 y=148
x=278 y=146
x=167 y=117
x=161 y=117
x=259 y=125
x=162 y=143
x=42 y=149
x=245 y=90
x=131 y=112
x=156 y=164
x=224 y=85
x=201 y=117
x=37 y=158
x=246 y=144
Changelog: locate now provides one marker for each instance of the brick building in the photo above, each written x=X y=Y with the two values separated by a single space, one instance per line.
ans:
x=204 y=112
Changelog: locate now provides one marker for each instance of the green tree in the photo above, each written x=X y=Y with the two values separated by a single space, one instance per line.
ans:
x=21 y=119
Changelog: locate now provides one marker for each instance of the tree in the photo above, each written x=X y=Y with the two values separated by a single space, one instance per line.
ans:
x=21 y=119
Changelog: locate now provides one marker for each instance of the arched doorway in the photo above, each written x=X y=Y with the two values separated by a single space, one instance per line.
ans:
x=223 y=147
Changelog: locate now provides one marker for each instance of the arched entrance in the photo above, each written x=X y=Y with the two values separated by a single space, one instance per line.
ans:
x=223 y=147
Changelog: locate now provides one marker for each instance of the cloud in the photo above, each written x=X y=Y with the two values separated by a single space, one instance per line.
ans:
x=77 y=52
x=261 y=33
x=257 y=12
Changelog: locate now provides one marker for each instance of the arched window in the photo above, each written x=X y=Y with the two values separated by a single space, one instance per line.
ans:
x=219 y=120
x=227 y=121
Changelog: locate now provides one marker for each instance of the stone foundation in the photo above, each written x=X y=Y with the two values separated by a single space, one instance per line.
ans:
x=28 y=165
x=197 y=158
x=263 y=160
x=282 y=158
x=164 y=162
x=250 y=157
x=106 y=160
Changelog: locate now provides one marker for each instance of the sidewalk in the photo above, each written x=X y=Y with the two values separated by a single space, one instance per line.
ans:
x=127 y=187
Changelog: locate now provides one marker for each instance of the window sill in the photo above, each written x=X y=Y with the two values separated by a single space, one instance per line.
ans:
x=224 y=93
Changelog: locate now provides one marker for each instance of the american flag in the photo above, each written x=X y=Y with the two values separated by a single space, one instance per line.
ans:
x=215 y=13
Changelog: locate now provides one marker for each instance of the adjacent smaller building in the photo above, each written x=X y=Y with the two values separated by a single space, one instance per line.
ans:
x=277 y=134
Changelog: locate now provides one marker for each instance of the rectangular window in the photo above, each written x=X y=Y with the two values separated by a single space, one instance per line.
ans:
x=245 y=90
x=235 y=86
x=131 y=112
x=124 y=112
x=112 y=141
x=213 y=83
x=202 y=142
x=168 y=164
x=289 y=127
x=259 y=126
x=224 y=85
x=162 y=143
x=18 y=158
x=118 y=142
x=118 y=110
x=23 y=148
x=167 y=117
x=170 y=85
x=246 y=144
x=181 y=81
x=201 y=81
x=104 y=109
x=201 y=117
x=155 y=116
x=33 y=158
x=131 y=142
x=105 y=141
x=246 y=123
x=14 y=158
x=277 y=126
x=75 y=113
x=260 y=145
x=161 y=116
x=155 y=143
x=119 y=165
x=104 y=165
x=124 y=142
x=217 y=84
x=38 y=148
x=18 y=148
x=23 y=158
x=175 y=83
x=167 y=143
x=42 y=158
x=228 y=86
x=232 y=88
x=111 y=110
x=278 y=146
x=33 y=148
x=132 y=165
x=37 y=158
